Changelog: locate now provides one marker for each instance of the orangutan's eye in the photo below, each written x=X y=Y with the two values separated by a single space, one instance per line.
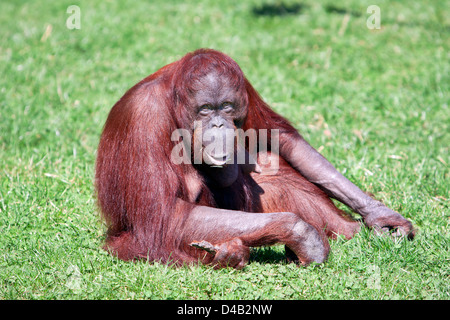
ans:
x=205 y=109
x=227 y=106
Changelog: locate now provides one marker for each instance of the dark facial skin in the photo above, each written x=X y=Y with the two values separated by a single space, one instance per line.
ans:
x=218 y=113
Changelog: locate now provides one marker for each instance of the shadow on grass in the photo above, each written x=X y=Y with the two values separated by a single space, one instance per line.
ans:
x=333 y=9
x=278 y=9
x=267 y=255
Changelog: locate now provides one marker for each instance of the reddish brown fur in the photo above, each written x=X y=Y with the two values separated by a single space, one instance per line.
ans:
x=145 y=198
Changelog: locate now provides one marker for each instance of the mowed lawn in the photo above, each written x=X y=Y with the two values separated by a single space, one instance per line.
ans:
x=375 y=102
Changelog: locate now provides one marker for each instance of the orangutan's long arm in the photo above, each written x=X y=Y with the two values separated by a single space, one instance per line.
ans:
x=313 y=166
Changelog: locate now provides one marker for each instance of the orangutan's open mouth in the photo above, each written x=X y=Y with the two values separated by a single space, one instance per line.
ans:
x=217 y=161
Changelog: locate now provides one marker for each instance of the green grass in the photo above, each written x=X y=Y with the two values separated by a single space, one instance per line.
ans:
x=375 y=102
